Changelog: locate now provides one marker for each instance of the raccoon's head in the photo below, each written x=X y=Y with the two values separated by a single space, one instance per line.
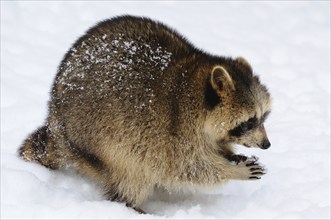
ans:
x=238 y=105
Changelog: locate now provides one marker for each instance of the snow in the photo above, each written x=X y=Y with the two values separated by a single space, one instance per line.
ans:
x=287 y=44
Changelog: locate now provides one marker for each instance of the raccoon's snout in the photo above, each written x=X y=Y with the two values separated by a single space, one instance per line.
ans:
x=265 y=144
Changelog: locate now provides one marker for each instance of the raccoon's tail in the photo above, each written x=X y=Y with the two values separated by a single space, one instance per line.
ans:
x=39 y=147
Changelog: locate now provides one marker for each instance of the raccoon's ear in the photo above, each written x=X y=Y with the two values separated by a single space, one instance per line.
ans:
x=221 y=80
x=244 y=62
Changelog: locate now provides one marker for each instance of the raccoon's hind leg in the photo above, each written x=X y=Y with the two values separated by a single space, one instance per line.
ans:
x=118 y=182
x=131 y=188
x=113 y=194
x=40 y=147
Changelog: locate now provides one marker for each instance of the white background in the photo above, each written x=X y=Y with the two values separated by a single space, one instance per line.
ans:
x=288 y=45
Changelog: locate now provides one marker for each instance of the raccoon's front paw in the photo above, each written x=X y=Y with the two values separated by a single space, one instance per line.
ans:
x=249 y=169
x=237 y=158
x=256 y=169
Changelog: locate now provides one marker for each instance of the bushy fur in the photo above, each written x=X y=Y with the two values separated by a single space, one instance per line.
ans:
x=134 y=106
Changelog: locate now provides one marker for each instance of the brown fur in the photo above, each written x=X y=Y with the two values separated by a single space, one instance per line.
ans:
x=134 y=106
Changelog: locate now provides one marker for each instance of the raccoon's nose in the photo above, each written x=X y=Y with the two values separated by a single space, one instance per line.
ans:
x=265 y=144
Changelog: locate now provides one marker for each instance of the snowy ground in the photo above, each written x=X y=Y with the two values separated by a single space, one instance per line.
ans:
x=287 y=44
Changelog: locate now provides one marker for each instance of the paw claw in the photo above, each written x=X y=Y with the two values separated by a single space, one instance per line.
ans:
x=258 y=173
x=255 y=177
x=250 y=164
x=254 y=168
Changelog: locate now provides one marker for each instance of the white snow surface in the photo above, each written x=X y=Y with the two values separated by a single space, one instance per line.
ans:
x=288 y=45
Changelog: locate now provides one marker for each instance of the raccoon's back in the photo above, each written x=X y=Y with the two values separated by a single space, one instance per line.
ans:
x=124 y=70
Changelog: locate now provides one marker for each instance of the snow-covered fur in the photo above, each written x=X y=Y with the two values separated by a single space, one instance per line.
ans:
x=134 y=106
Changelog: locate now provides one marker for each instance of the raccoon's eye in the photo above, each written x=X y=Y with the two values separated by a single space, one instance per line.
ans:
x=239 y=130
x=244 y=127
x=252 y=123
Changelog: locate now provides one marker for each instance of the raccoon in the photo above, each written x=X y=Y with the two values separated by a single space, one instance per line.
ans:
x=135 y=106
